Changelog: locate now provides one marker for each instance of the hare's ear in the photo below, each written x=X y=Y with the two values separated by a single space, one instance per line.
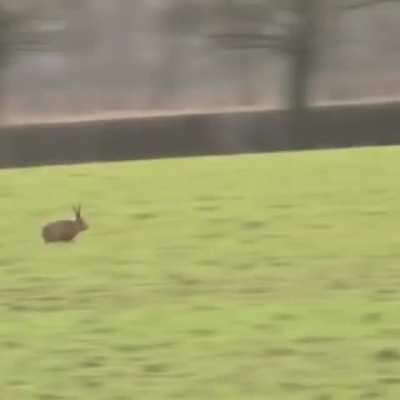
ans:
x=77 y=211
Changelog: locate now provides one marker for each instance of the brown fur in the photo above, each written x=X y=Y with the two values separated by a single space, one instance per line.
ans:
x=64 y=230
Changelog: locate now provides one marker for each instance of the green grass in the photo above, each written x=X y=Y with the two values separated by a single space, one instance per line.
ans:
x=253 y=277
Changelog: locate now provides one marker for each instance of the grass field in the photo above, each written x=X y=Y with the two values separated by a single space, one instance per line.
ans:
x=252 y=277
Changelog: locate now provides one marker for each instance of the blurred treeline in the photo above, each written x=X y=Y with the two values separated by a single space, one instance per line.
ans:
x=79 y=57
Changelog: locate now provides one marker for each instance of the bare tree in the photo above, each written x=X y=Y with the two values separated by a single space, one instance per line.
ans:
x=9 y=22
x=300 y=38
x=24 y=30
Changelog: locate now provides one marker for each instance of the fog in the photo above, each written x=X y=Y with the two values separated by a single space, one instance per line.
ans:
x=122 y=58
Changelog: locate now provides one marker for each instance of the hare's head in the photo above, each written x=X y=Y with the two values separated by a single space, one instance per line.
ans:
x=81 y=223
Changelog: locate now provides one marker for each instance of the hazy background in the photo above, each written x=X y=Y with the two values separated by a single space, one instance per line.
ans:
x=154 y=56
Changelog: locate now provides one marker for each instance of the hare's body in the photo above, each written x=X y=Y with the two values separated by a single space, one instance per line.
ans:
x=60 y=231
x=64 y=230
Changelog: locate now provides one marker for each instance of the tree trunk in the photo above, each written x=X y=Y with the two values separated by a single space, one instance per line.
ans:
x=302 y=50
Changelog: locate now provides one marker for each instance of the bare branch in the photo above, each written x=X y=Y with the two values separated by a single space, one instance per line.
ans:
x=367 y=3
x=232 y=41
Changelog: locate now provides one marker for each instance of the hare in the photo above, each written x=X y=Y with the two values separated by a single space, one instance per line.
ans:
x=64 y=230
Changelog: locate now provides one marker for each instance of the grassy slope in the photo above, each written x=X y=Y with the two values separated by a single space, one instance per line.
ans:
x=210 y=278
